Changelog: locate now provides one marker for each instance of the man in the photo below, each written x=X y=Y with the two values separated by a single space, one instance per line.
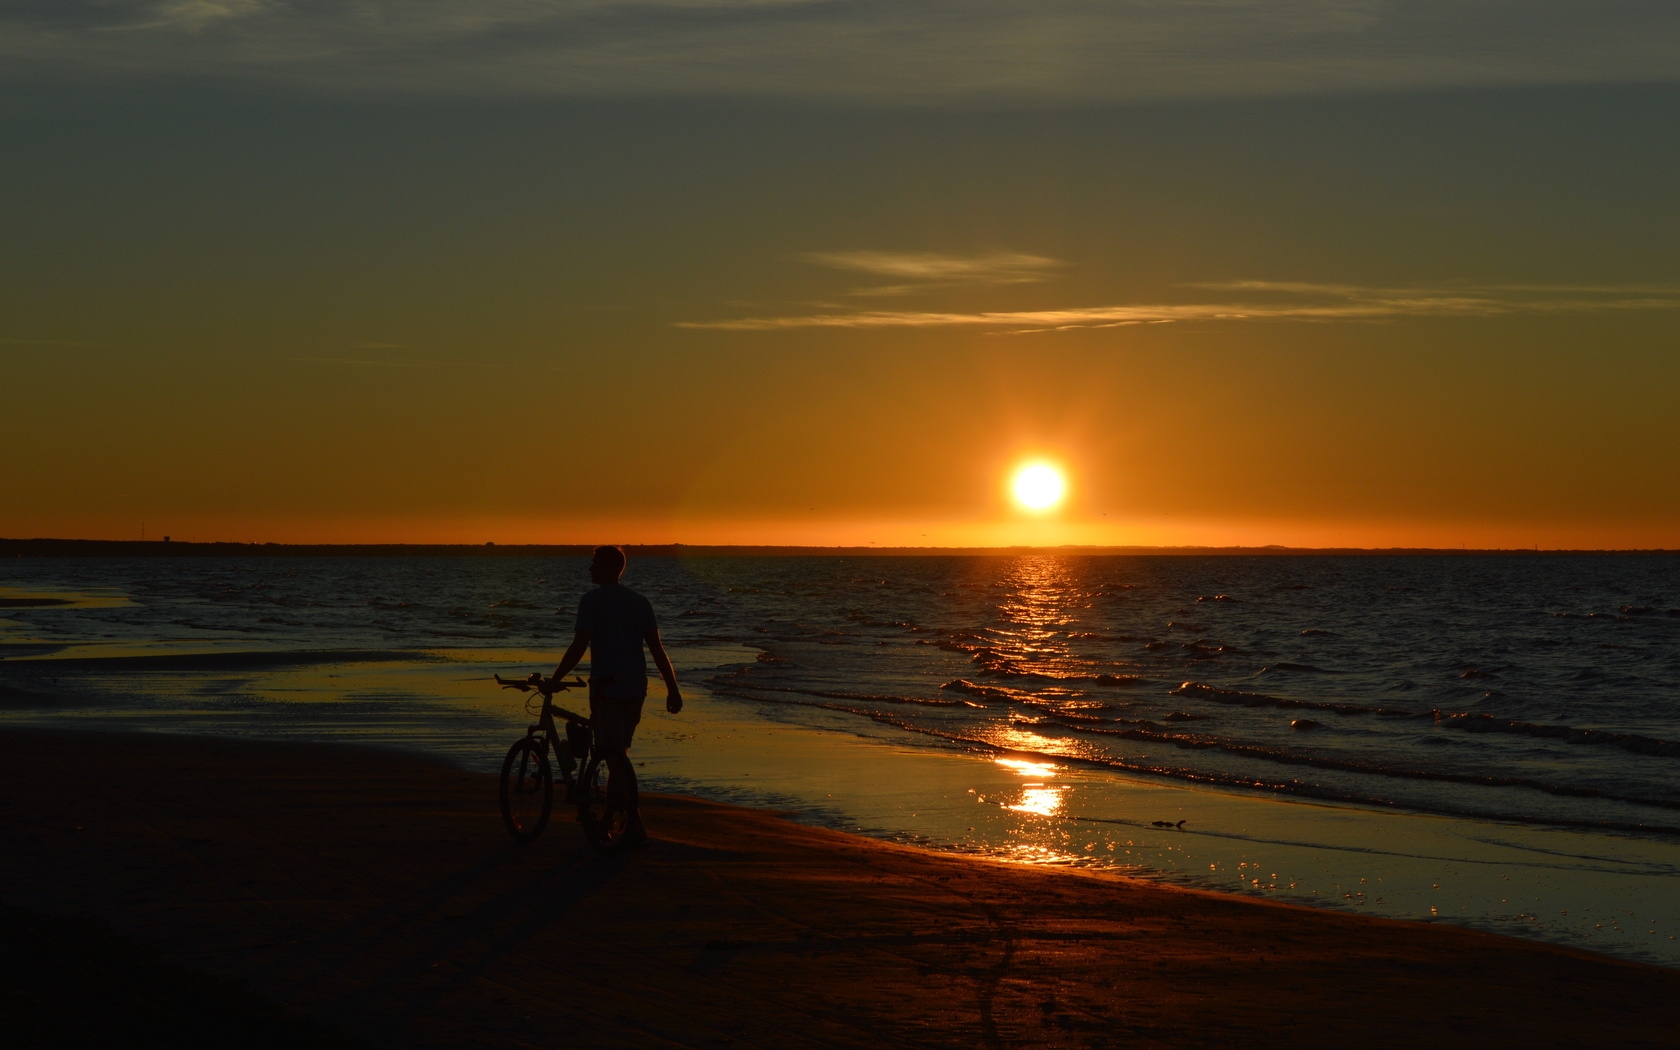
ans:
x=613 y=624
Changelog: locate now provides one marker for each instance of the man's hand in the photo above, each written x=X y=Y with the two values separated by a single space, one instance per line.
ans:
x=673 y=701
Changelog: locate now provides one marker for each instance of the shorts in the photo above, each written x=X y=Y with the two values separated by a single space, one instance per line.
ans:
x=615 y=721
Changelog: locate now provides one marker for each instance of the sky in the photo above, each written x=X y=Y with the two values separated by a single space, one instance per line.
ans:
x=1362 y=273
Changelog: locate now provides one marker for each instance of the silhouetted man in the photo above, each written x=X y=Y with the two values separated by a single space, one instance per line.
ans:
x=613 y=624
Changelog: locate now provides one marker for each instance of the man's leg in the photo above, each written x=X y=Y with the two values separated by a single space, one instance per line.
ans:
x=621 y=786
x=622 y=779
x=616 y=726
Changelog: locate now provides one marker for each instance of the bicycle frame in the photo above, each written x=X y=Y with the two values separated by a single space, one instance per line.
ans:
x=563 y=750
x=527 y=773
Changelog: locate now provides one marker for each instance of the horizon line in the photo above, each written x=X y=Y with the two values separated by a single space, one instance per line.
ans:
x=41 y=546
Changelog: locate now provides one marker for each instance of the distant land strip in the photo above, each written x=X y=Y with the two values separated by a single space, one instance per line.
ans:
x=55 y=548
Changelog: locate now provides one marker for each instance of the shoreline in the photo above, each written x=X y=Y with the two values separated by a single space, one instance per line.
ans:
x=374 y=891
x=1585 y=889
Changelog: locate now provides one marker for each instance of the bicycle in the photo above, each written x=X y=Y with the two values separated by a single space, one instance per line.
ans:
x=527 y=790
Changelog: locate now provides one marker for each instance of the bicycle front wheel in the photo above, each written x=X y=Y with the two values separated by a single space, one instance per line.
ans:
x=603 y=818
x=527 y=789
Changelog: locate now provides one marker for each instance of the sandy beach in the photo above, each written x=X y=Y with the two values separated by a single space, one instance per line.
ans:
x=374 y=894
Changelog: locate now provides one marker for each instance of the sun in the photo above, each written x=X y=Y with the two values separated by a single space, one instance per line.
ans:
x=1039 y=486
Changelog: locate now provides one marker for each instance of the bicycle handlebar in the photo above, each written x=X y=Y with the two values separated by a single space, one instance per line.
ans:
x=535 y=680
x=546 y=687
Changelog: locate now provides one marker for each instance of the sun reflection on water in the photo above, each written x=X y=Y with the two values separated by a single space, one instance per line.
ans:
x=1039 y=800
x=1020 y=738
x=1022 y=853
x=1026 y=768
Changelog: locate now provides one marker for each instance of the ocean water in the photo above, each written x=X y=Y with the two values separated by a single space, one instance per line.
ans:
x=1493 y=741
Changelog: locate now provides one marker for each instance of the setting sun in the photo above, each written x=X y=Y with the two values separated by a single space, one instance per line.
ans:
x=1039 y=487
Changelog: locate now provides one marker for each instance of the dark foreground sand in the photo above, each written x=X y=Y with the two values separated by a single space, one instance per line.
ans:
x=376 y=895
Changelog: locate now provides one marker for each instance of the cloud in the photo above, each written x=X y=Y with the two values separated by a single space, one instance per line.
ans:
x=998 y=267
x=194 y=14
x=930 y=270
x=864 y=51
x=1287 y=301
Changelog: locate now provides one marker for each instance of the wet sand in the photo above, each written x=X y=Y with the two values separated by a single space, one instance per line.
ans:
x=376 y=894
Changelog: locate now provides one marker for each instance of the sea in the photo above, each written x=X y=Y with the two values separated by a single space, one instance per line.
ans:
x=1491 y=741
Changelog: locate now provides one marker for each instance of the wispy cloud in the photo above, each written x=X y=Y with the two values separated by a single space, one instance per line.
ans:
x=195 y=14
x=929 y=270
x=990 y=267
x=874 y=51
x=1273 y=301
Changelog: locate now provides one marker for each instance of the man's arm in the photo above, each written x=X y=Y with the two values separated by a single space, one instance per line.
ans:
x=579 y=646
x=673 y=695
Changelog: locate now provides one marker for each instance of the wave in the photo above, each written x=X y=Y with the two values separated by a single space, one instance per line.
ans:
x=1481 y=723
x=1290 y=787
x=836 y=694
x=1154 y=734
x=1115 y=681
x=985 y=692
x=963 y=685
x=994 y=663
x=1143 y=730
x=1072 y=705
x=1215 y=694
x=1473 y=722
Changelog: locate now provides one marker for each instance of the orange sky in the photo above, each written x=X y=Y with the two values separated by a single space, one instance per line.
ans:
x=1188 y=436
x=1398 y=311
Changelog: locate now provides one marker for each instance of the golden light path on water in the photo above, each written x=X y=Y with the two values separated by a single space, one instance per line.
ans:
x=1042 y=799
x=1026 y=768
x=1039 y=800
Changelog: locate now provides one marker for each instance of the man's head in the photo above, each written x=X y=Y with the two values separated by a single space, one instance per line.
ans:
x=607 y=565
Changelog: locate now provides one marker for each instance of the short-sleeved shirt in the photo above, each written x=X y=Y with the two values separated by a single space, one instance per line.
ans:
x=617 y=619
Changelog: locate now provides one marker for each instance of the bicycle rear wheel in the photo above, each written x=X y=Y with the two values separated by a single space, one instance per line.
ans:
x=527 y=789
x=603 y=820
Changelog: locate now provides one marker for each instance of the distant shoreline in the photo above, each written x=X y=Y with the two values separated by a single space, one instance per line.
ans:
x=65 y=548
